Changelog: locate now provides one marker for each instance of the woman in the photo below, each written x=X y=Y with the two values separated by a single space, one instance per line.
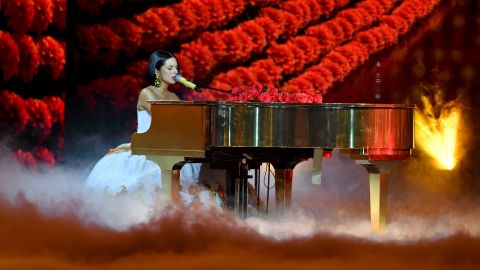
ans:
x=120 y=172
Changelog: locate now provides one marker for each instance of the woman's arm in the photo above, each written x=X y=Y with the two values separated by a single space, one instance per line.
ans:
x=142 y=103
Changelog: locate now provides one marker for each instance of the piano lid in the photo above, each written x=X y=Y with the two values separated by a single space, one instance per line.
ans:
x=192 y=126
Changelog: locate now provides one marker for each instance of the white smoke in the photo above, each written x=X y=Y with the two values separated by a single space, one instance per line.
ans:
x=339 y=207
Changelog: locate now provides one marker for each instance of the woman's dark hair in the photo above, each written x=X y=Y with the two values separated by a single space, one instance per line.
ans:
x=157 y=59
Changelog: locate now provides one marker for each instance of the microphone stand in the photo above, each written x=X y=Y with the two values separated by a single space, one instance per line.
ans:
x=216 y=89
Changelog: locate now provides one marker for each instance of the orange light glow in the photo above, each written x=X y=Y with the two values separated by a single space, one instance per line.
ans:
x=437 y=136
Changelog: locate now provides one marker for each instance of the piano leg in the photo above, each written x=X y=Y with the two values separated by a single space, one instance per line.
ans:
x=378 y=201
x=283 y=188
x=378 y=172
x=170 y=166
x=317 y=166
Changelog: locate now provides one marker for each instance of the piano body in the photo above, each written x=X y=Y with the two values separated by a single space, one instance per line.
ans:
x=238 y=136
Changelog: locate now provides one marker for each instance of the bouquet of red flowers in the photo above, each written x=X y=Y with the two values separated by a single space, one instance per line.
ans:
x=263 y=93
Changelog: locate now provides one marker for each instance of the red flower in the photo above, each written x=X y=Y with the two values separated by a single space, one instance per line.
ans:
x=347 y=27
x=298 y=84
x=291 y=25
x=277 y=16
x=324 y=34
x=138 y=69
x=260 y=93
x=373 y=8
x=170 y=27
x=215 y=43
x=303 y=98
x=356 y=16
x=98 y=42
x=200 y=12
x=9 y=56
x=287 y=56
x=129 y=33
x=316 y=81
x=266 y=97
x=262 y=76
x=274 y=71
x=238 y=46
x=20 y=14
x=13 y=112
x=406 y=14
x=355 y=52
x=187 y=68
x=377 y=38
x=202 y=57
x=44 y=155
x=386 y=4
x=222 y=11
x=272 y=29
x=57 y=109
x=41 y=120
x=268 y=2
x=26 y=158
x=233 y=78
x=236 y=90
x=336 y=29
x=318 y=98
x=217 y=12
x=327 y=5
x=256 y=33
x=91 y=7
x=300 y=10
x=342 y=62
x=60 y=14
x=310 y=47
x=43 y=15
x=152 y=37
x=335 y=68
x=52 y=56
x=396 y=22
x=187 y=20
x=29 y=58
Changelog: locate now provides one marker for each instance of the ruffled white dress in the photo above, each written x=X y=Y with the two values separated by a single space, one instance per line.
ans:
x=121 y=172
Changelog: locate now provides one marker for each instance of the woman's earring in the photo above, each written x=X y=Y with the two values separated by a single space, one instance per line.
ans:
x=158 y=80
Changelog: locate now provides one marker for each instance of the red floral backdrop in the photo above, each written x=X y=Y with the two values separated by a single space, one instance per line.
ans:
x=303 y=47
x=32 y=62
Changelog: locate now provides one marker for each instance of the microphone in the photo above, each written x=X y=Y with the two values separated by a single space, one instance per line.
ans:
x=187 y=83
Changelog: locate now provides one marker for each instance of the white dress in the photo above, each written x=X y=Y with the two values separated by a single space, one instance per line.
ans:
x=121 y=172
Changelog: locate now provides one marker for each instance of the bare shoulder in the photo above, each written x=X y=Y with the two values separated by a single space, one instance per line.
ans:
x=146 y=92
x=143 y=97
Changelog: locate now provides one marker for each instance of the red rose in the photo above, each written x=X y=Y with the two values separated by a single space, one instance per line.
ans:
x=91 y=7
x=256 y=33
x=318 y=98
x=304 y=98
x=41 y=119
x=129 y=33
x=26 y=158
x=9 y=56
x=284 y=97
x=29 y=57
x=60 y=14
x=52 y=56
x=13 y=111
x=57 y=110
x=268 y=97
x=20 y=14
x=44 y=155
x=43 y=15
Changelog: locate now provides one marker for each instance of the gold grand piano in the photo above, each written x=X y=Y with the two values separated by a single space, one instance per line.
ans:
x=245 y=134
